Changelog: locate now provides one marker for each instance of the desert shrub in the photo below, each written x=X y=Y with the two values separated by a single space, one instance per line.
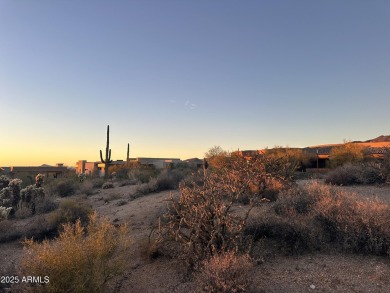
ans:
x=142 y=174
x=292 y=234
x=80 y=259
x=355 y=224
x=45 y=205
x=146 y=188
x=225 y=273
x=371 y=173
x=23 y=213
x=13 y=230
x=120 y=171
x=69 y=211
x=64 y=187
x=98 y=182
x=294 y=200
x=346 y=153
x=318 y=216
x=127 y=182
x=349 y=174
x=217 y=157
x=203 y=221
x=169 y=179
x=148 y=249
x=108 y=185
x=87 y=188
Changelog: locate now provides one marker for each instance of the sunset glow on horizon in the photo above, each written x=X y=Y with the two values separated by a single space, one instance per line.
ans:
x=175 y=78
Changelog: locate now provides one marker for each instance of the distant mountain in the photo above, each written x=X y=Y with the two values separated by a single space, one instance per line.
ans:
x=382 y=138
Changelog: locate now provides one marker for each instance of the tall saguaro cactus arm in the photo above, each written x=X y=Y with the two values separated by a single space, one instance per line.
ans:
x=128 y=153
x=107 y=160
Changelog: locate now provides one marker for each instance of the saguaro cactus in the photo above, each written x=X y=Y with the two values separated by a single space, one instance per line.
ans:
x=128 y=154
x=107 y=160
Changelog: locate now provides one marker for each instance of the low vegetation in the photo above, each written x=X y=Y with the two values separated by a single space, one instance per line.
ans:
x=216 y=224
x=364 y=173
x=319 y=217
x=206 y=220
x=80 y=259
x=227 y=272
x=70 y=211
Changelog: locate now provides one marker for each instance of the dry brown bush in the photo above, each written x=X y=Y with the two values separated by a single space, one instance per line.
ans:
x=207 y=218
x=318 y=216
x=80 y=259
x=225 y=273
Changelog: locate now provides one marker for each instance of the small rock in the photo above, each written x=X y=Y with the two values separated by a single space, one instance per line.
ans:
x=312 y=287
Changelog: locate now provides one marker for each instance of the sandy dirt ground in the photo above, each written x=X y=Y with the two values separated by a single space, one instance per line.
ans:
x=314 y=272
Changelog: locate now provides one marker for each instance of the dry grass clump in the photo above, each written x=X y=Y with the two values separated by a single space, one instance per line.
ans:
x=225 y=273
x=318 y=216
x=80 y=259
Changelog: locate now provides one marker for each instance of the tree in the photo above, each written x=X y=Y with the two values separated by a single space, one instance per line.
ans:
x=216 y=156
x=348 y=152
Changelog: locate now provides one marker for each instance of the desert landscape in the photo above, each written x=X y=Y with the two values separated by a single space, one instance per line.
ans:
x=194 y=146
x=303 y=234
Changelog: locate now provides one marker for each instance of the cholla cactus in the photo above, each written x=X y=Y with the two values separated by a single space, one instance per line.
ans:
x=4 y=212
x=10 y=195
x=14 y=184
x=6 y=197
x=29 y=196
x=39 y=180
x=82 y=177
x=4 y=181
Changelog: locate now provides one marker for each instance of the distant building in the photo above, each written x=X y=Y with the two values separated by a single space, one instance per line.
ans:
x=158 y=163
x=194 y=163
x=89 y=168
x=49 y=171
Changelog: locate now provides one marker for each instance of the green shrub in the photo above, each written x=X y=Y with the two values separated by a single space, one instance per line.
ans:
x=70 y=211
x=80 y=259
x=64 y=187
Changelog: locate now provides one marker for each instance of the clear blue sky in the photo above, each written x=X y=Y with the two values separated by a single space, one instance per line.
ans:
x=175 y=78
